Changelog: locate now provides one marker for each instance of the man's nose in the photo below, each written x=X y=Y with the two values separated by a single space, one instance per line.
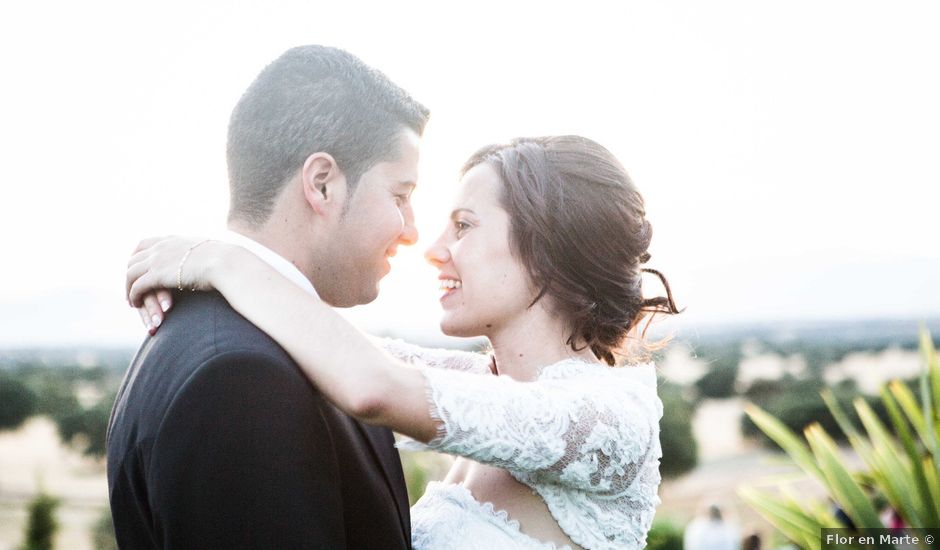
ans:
x=409 y=232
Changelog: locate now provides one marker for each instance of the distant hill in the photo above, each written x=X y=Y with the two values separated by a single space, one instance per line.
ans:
x=854 y=334
x=874 y=333
x=79 y=317
x=111 y=358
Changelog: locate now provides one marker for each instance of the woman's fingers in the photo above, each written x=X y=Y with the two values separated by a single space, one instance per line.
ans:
x=152 y=270
x=165 y=298
x=134 y=273
x=153 y=310
x=139 y=288
x=145 y=319
x=151 y=305
x=138 y=257
x=147 y=243
x=146 y=282
x=156 y=261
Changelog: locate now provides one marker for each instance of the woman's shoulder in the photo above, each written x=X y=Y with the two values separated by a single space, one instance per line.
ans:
x=644 y=373
x=619 y=387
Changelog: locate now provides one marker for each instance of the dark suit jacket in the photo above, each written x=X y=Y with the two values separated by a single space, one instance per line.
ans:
x=217 y=440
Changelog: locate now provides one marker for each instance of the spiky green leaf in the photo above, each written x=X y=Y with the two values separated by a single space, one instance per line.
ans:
x=839 y=481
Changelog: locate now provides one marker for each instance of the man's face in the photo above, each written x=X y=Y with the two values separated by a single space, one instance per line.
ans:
x=377 y=219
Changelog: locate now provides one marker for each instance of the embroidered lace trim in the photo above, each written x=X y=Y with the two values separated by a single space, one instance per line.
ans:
x=584 y=436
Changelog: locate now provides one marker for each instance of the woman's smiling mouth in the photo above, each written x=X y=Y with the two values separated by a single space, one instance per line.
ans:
x=448 y=286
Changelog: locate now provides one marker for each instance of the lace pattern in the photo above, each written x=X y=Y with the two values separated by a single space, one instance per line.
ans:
x=464 y=361
x=584 y=436
x=448 y=516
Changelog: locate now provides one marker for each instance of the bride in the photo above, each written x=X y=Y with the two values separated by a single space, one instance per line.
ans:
x=542 y=255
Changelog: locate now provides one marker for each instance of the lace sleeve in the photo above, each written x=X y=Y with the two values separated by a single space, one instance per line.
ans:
x=466 y=361
x=591 y=432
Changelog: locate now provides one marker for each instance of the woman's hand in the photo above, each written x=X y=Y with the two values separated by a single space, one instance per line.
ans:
x=154 y=308
x=158 y=265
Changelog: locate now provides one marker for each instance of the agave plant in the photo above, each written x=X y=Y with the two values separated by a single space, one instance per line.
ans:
x=901 y=461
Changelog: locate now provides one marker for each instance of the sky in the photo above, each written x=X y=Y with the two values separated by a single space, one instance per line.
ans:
x=787 y=152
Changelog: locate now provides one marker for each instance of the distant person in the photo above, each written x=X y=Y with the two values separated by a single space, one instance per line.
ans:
x=892 y=520
x=751 y=542
x=711 y=532
x=557 y=439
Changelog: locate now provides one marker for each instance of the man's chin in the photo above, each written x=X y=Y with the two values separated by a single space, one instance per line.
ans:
x=371 y=295
x=360 y=297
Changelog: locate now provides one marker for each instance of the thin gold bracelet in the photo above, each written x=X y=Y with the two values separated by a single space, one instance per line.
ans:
x=179 y=272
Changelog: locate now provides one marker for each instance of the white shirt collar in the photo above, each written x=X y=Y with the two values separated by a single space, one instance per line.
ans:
x=272 y=258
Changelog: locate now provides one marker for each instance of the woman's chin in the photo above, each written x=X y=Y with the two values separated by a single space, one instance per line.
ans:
x=448 y=330
x=452 y=328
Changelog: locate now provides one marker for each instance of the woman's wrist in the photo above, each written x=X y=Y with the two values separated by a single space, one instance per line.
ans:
x=217 y=259
x=229 y=262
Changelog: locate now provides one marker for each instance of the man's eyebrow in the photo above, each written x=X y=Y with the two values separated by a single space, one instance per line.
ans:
x=453 y=214
x=408 y=183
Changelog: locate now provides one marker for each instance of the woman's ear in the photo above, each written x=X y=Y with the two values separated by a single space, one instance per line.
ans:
x=324 y=184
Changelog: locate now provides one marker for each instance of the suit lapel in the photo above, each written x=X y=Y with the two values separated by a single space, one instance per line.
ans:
x=383 y=449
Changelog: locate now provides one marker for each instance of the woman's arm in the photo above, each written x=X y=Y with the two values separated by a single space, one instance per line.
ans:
x=359 y=378
x=436 y=358
x=594 y=428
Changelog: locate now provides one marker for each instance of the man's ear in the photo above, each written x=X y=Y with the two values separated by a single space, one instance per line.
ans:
x=324 y=184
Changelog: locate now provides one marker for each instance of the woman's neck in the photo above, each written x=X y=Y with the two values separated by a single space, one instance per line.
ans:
x=534 y=341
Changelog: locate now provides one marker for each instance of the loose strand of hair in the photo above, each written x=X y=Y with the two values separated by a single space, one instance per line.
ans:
x=661 y=304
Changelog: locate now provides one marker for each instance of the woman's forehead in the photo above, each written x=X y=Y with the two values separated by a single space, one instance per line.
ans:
x=479 y=188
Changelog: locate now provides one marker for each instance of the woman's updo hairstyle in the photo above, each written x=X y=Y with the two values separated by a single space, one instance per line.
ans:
x=578 y=225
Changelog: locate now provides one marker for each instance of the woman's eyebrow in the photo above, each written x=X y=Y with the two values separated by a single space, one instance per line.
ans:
x=456 y=211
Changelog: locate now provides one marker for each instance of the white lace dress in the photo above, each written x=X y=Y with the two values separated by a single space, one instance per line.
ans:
x=584 y=436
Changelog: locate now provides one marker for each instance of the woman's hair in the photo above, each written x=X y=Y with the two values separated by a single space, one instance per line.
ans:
x=578 y=225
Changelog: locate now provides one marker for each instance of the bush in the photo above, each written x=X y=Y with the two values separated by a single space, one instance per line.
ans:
x=423 y=467
x=42 y=525
x=56 y=396
x=718 y=382
x=680 y=451
x=55 y=390
x=91 y=425
x=798 y=404
x=102 y=534
x=663 y=535
x=17 y=402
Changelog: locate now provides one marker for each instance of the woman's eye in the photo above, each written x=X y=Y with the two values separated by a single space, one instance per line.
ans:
x=461 y=226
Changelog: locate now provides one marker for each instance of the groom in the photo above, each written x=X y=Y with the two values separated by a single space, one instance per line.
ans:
x=216 y=439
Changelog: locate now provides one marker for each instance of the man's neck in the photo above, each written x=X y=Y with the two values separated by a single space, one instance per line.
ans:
x=264 y=238
x=272 y=240
x=287 y=256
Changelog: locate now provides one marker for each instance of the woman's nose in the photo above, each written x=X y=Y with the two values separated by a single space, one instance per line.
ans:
x=437 y=254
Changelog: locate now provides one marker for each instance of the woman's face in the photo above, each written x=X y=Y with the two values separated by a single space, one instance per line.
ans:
x=484 y=287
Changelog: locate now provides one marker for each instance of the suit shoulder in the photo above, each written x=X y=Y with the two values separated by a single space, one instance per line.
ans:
x=244 y=388
x=250 y=368
x=206 y=326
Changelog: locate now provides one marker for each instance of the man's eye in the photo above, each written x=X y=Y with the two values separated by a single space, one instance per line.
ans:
x=461 y=226
x=401 y=199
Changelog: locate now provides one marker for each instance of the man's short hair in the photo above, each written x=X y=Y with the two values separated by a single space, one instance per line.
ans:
x=310 y=99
